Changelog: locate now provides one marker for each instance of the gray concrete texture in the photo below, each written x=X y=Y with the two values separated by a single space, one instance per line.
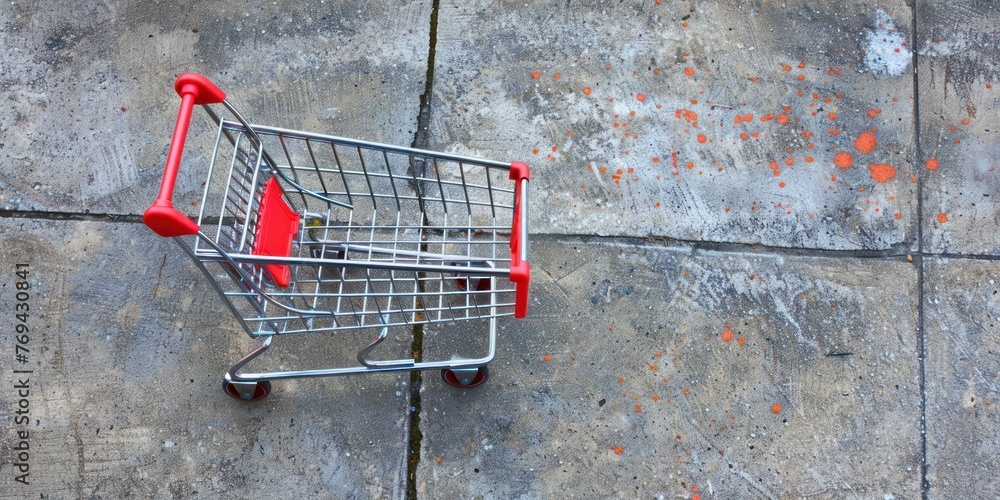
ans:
x=89 y=89
x=788 y=144
x=654 y=118
x=963 y=427
x=958 y=119
x=646 y=371
x=128 y=345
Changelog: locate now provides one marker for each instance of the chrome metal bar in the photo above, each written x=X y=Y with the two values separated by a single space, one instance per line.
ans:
x=266 y=130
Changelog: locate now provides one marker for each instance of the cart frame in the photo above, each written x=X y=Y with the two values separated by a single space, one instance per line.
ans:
x=280 y=237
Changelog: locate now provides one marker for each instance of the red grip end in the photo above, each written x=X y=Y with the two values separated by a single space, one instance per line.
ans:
x=520 y=274
x=204 y=91
x=165 y=221
x=519 y=171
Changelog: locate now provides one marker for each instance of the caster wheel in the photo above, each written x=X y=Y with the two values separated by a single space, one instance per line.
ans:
x=481 y=284
x=466 y=283
x=465 y=378
x=261 y=389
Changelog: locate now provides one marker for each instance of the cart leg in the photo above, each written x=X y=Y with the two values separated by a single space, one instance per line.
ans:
x=363 y=354
x=247 y=389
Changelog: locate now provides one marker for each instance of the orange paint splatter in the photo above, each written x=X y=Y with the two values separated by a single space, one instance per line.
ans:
x=686 y=391
x=556 y=76
x=619 y=450
x=809 y=159
x=688 y=71
x=536 y=75
x=782 y=119
x=843 y=160
x=726 y=335
x=687 y=114
x=586 y=91
x=547 y=358
x=881 y=172
x=789 y=161
x=748 y=117
x=702 y=139
x=775 y=408
x=641 y=97
x=741 y=341
x=832 y=116
x=932 y=164
x=865 y=142
x=942 y=218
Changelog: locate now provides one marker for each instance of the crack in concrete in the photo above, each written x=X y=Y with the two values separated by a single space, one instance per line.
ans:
x=421 y=139
x=919 y=261
x=75 y=216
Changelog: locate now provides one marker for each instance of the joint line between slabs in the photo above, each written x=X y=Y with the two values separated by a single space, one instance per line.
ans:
x=921 y=346
x=421 y=139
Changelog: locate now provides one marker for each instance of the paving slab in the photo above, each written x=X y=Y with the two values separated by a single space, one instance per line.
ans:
x=711 y=121
x=959 y=74
x=88 y=86
x=128 y=343
x=962 y=343
x=644 y=371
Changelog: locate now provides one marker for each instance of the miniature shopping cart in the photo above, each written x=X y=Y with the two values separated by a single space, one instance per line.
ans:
x=303 y=233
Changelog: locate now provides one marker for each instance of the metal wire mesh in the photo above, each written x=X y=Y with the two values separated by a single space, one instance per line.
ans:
x=388 y=236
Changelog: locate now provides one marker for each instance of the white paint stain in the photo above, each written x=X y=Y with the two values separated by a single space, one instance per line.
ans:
x=955 y=44
x=887 y=51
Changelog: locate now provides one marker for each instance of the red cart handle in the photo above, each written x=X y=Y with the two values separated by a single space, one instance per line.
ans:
x=520 y=268
x=161 y=216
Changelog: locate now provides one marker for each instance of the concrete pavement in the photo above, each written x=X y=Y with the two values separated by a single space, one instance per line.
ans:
x=763 y=263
